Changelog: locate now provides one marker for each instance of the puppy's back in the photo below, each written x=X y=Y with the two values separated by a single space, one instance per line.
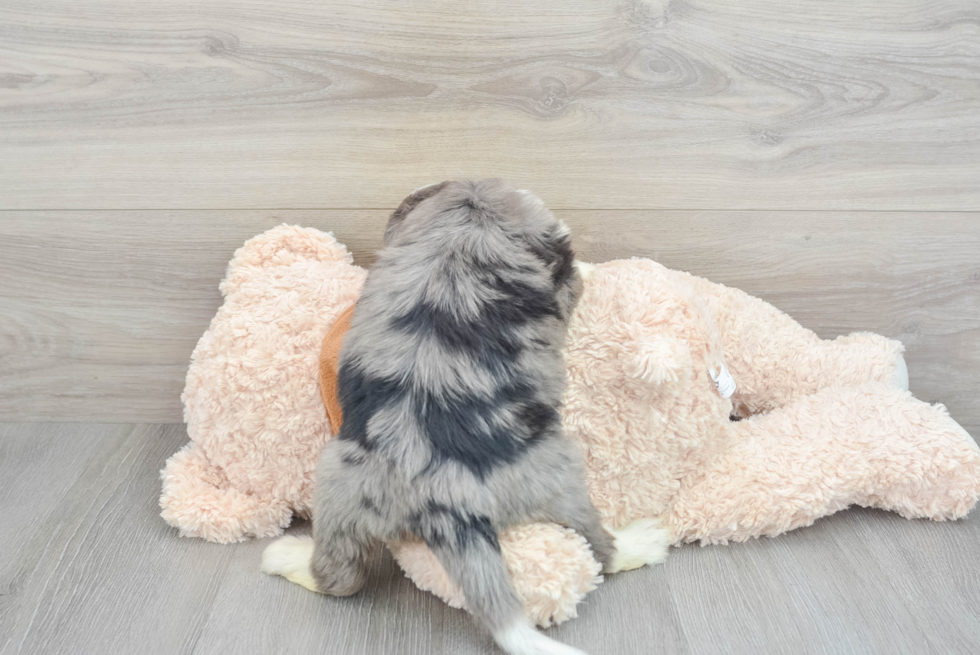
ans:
x=454 y=353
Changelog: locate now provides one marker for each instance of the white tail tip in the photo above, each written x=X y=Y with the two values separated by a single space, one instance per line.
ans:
x=290 y=557
x=522 y=639
x=640 y=543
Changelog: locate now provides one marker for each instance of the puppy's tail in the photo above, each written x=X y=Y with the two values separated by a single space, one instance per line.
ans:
x=473 y=561
x=290 y=557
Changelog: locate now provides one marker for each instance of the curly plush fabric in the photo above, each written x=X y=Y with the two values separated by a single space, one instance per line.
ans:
x=826 y=424
x=252 y=403
x=552 y=568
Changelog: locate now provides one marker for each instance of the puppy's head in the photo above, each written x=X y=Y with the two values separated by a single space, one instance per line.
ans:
x=464 y=202
x=397 y=220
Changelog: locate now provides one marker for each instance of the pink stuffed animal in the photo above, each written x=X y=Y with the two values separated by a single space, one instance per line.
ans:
x=826 y=424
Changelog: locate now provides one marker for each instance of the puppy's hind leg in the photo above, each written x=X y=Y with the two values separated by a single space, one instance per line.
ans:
x=290 y=557
x=334 y=560
x=470 y=554
x=333 y=564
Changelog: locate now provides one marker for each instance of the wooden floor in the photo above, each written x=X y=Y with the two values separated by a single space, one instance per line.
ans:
x=89 y=567
x=823 y=156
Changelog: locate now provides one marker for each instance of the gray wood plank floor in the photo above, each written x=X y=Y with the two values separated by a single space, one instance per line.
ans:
x=88 y=566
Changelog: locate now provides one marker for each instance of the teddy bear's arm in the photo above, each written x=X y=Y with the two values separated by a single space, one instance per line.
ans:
x=775 y=360
x=866 y=445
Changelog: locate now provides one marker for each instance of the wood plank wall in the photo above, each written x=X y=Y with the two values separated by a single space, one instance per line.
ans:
x=824 y=156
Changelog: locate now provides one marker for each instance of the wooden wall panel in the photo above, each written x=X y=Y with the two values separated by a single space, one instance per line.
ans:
x=99 y=311
x=688 y=104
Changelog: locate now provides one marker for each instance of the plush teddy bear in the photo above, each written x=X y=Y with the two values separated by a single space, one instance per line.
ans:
x=661 y=364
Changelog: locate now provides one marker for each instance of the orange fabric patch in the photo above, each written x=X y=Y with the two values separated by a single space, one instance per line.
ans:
x=329 y=360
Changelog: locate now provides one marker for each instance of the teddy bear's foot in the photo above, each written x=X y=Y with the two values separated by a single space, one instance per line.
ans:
x=640 y=543
x=899 y=378
x=863 y=357
x=198 y=500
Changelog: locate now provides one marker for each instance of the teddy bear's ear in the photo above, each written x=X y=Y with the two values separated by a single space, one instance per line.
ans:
x=282 y=246
x=658 y=359
x=287 y=244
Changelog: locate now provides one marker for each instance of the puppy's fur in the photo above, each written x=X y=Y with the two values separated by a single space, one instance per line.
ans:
x=450 y=381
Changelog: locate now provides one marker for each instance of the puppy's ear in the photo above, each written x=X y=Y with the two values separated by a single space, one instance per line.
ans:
x=410 y=203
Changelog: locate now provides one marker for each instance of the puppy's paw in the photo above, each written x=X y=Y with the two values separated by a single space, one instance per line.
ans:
x=585 y=269
x=640 y=543
x=290 y=557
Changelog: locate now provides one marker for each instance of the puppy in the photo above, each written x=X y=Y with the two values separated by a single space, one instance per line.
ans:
x=450 y=381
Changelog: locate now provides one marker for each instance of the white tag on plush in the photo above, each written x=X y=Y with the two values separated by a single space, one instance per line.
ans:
x=724 y=381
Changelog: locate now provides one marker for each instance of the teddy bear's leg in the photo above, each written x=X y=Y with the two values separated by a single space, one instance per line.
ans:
x=640 y=543
x=774 y=359
x=287 y=244
x=551 y=567
x=867 y=445
x=198 y=500
x=282 y=246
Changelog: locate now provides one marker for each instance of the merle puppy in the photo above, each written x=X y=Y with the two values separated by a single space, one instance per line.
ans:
x=450 y=381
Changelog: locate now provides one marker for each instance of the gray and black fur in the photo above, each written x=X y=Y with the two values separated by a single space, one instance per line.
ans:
x=450 y=381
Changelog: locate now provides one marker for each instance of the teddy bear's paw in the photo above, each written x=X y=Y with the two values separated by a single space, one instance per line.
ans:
x=522 y=639
x=640 y=543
